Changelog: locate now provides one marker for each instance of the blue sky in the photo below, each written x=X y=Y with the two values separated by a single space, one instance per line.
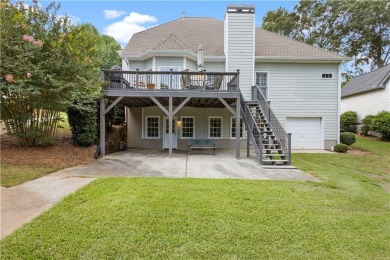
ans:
x=121 y=19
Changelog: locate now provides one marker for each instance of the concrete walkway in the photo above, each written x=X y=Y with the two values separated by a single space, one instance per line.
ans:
x=20 y=204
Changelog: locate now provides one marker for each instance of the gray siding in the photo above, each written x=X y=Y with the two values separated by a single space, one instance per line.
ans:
x=215 y=66
x=297 y=90
x=169 y=61
x=149 y=64
x=368 y=103
x=240 y=48
x=191 y=64
x=134 y=65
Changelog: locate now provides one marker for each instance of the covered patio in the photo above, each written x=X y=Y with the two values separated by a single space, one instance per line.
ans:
x=170 y=91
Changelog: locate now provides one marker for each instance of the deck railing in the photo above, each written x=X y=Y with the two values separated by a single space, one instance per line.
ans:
x=170 y=81
x=281 y=135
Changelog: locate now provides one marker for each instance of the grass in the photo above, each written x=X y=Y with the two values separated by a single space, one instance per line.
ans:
x=14 y=174
x=345 y=216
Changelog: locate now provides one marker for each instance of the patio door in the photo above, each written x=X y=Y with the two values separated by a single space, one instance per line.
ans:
x=166 y=133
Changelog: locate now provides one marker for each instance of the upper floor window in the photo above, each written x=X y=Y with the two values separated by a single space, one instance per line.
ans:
x=327 y=75
x=262 y=82
x=166 y=80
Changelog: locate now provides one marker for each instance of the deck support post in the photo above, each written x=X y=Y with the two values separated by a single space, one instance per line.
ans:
x=170 y=127
x=238 y=117
x=247 y=134
x=102 y=127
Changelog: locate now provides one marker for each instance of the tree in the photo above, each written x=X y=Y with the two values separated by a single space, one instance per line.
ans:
x=107 y=52
x=358 y=29
x=46 y=63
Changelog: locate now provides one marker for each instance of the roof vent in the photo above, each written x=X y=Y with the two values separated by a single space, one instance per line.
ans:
x=241 y=9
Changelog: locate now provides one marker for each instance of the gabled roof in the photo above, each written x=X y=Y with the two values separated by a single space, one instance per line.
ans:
x=373 y=80
x=188 y=33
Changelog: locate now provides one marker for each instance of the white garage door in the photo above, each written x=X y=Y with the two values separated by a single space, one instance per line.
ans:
x=306 y=132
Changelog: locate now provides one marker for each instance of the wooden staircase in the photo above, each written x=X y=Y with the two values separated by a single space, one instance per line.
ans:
x=272 y=151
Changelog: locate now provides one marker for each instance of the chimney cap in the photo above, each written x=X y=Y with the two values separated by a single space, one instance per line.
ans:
x=240 y=9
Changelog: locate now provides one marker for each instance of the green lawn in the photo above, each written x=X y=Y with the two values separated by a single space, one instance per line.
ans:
x=14 y=174
x=345 y=216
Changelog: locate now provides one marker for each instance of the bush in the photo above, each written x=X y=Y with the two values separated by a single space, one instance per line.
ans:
x=341 y=148
x=366 y=127
x=347 y=138
x=381 y=124
x=82 y=120
x=348 y=122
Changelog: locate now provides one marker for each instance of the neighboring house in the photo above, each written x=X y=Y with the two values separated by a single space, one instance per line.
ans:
x=367 y=94
x=301 y=82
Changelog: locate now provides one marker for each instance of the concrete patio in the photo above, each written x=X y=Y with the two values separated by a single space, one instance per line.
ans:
x=194 y=164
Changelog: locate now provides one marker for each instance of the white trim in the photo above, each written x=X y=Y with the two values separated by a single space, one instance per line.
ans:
x=184 y=63
x=322 y=134
x=143 y=121
x=181 y=130
x=268 y=73
x=299 y=59
x=234 y=126
x=325 y=73
x=208 y=127
x=154 y=63
x=338 y=104
x=159 y=127
x=171 y=67
x=171 y=53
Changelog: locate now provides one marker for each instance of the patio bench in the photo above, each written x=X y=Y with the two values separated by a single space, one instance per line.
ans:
x=200 y=144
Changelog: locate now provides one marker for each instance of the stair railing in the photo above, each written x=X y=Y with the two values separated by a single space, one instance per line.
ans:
x=283 y=138
x=252 y=129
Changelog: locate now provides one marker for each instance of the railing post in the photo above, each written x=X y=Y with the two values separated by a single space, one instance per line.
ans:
x=204 y=80
x=238 y=80
x=136 y=79
x=289 y=148
x=170 y=80
x=260 y=147
x=269 y=112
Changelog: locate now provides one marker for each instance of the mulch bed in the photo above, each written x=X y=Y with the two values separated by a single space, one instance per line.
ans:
x=62 y=154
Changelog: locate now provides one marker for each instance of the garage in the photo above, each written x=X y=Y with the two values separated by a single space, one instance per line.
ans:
x=306 y=132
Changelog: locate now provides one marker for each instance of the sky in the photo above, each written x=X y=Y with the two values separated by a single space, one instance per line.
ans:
x=121 y=19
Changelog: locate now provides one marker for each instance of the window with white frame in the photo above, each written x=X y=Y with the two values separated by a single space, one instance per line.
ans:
x=215 y=127
x=233 y=128
x=166 y=79
x=152 y=127
x=262 y=82
x=187 y=127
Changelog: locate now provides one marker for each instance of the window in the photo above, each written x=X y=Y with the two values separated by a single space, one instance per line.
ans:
x=166 y=79
x=233 y=128
x=187 y=127
x=327 y=75
x=262 y=82
x=152 y=127
x=215 y=127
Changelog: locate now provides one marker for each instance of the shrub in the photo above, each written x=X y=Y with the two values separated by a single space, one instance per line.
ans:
x=82 y=121
x=347 y=138
x=341 y=148
x=366 y=127
x=348 y=121
x=381 y=124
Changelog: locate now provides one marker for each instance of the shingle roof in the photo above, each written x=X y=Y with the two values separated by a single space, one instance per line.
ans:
x=367 y=82
x=189 y=32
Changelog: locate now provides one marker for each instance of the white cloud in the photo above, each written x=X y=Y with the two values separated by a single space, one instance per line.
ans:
x=111 y=14
x=139 y=18
x=73 y=19
x=133 y=23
